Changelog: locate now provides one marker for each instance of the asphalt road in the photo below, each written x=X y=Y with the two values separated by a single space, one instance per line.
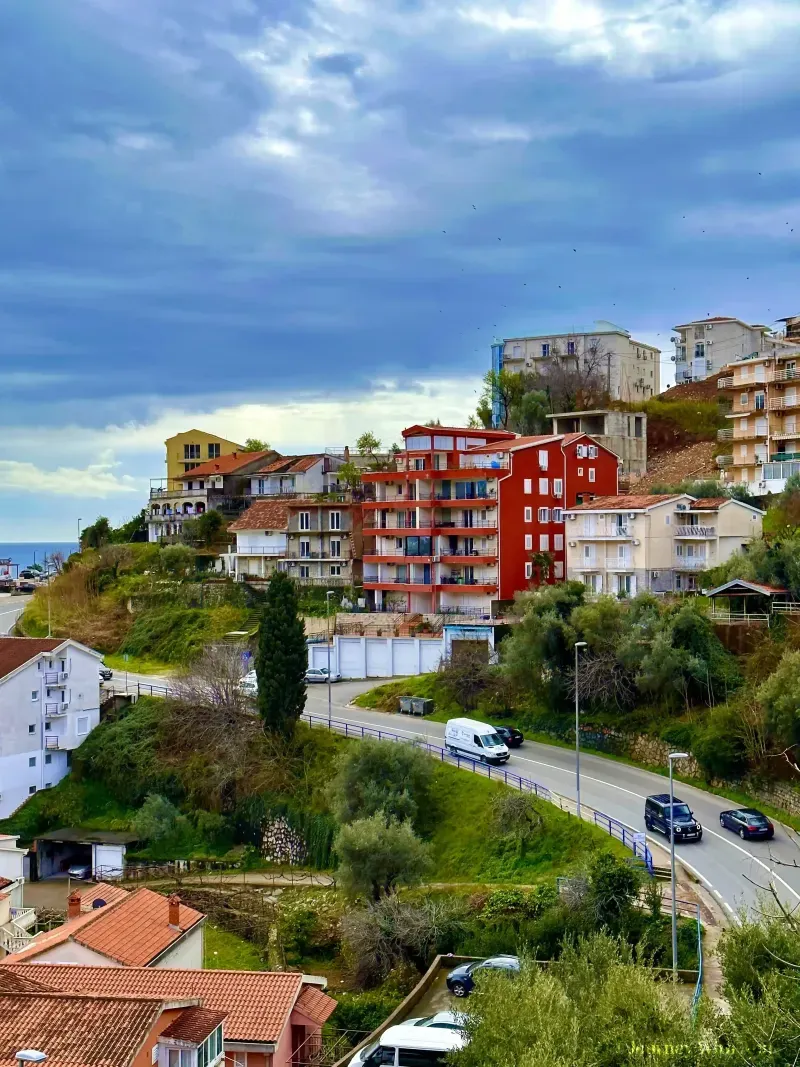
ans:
x=735 y=871
x=11 y=607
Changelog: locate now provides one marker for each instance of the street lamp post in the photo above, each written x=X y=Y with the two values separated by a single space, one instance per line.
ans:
x=578 y=646
x=673 y=756
x=328 y=595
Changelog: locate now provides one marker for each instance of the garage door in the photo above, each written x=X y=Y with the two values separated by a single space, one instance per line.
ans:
x=379 y=659
x=351 y=657
x=108 y=861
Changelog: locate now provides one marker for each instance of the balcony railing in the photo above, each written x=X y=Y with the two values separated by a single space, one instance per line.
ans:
x=781 y=457
x=696 y=531
x=784 y=374
x=693 y=563
x=489 y=579
x=56 y=677
x=57 y=709
x=484 y=462
x=725 y=383
x=258 y=550
x=780 y=403
x=603 y=533
x=615 y=563
x=51 y=741
x=724 y=461
x=786 y=435
x=725 y=435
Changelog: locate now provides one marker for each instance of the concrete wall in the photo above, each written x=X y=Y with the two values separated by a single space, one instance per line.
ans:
x=71 y=952
x=379 y=657
x=187 y=954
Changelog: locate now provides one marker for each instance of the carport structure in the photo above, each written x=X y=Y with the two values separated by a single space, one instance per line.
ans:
x=103 y=851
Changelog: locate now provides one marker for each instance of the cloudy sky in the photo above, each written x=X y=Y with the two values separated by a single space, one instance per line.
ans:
x=298 y=219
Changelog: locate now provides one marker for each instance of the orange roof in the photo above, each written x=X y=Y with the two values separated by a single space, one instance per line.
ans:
x=257 y=1003
x=626 y=503
x=134 y=930
x=194 y=1024
x=263 y=515
x=315 y=1004
x=465 y=431
x=20 y=983
x=229 y=464
x=15 y=651
x=291 y=464
x=109 y=894
x=709 y=503
x=535 y=439
x=76 y=1030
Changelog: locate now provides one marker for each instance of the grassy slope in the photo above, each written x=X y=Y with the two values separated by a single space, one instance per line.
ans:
x=228 y=952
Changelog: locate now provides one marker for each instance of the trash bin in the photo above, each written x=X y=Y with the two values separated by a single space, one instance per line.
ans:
x=406 y=705
x=421 y=706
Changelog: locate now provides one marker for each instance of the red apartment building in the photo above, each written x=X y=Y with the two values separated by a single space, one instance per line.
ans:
x=460 y=521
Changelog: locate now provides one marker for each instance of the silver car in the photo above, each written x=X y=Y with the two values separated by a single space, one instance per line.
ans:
x=320 y=674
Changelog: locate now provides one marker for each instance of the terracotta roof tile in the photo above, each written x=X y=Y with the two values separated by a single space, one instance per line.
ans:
x=111 y=894
x=194 y=1024
x=229 y=464
x=263 y=515
x=133 y=930
x=15 y=651
x=709 y=503
x=291 y=464
x=5 y=882
x=257 y=1003
x=467 y=431
x=626 y=503
x=11 y=982
x=315 y=1004
x=75 y=1030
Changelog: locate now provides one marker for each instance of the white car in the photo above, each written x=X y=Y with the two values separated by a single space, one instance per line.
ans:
x=443 y=1020
x=320 y=674
x=249 y=684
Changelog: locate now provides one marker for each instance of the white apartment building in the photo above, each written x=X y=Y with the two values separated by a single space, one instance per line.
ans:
x=704 y=347
x=622 y=545
x=630 y=369
x=49 y=704
x=290 y=475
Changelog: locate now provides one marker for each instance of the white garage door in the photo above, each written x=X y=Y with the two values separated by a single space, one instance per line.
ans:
x=108 y=861
x=379 y=659
x=351 y=658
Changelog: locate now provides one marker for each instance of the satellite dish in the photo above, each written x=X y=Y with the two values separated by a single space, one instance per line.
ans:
x=98 y=903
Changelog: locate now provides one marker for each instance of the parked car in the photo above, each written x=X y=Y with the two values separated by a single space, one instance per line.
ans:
x=80 y=870
x=425 y=1046
x=461 y=980
x=747 y=823
x=249 y=684
x=478 y=740
x=106 y=674
x=320 y=674
x=512 y=737
x=442 y=1020
x=657 y=817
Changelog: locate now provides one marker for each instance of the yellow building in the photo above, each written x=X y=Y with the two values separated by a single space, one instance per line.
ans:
x=189 y=449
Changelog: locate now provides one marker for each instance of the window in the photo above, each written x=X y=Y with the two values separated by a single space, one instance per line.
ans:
x=191 y=451
x=544 y=514
x=592 y=451
x=546 y=349
x=32 y=728
x=559 y=569
x=667 y=520
x=443 y=442
x=558 y=515
x=213 y=450
x=31 y=761
x=305 y=520
x=34 y=694
x=529 y=542
x=544 y=542
x=543 y=459
x=419 y=444
x=336 y=570
x=305 y=549
x=760 y=401
x=591 y=474
x=528 y=570
x=48 y=758
x=558 y=487
x=580 y=472
x=305 y=570
x=82 y=725
x=398 y=542
x=544 y=486
x=558 y=542
x=570 y=348
x=31 y=790
x=336 y=547
x=528 y=514
x=335 y=521
x=528 y=485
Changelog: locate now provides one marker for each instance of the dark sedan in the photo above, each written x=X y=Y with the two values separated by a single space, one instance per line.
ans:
x=747 y=823
x=510 y=735
x=461 y=981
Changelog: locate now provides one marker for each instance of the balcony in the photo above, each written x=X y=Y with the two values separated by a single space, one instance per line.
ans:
x=725 y=383
x=51 y=741
x=159 y=494
x=693 y=563
x=605 y=533
x=488 y=580
x=618 y=563
x=784 y=374
x=781 y=457
x=56 y=677
x=485 y=462
x=703 y=532
x=259 y=550
x=781 y=403
x=56 y=709
x=724 y=461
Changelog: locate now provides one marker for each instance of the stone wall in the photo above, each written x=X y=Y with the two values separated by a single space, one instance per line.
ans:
x=780 y=795
x=281 y=844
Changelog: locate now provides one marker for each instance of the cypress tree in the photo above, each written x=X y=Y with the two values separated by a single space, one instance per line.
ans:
x=282 y=658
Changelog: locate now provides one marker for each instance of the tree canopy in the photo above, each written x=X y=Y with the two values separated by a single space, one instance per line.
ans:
x=281 y=658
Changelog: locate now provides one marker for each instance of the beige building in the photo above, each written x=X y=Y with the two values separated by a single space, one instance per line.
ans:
x=629 y=368
x=763 y=435
x=189 y=449
x=622 y=545
x=704 y=347
x=622 y=432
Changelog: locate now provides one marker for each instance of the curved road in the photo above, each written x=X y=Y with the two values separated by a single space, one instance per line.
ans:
x=11 y=607
x=736 y=871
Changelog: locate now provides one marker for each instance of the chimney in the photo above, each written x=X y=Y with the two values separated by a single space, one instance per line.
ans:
x=74 y=905
x=174 y=902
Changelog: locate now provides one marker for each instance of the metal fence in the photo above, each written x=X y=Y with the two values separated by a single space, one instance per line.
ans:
x=632 y=840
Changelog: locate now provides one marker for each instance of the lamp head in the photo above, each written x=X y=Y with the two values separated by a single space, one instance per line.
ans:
x=678 y=755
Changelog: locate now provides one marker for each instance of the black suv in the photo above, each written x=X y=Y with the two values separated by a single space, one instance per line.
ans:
x=656 y=817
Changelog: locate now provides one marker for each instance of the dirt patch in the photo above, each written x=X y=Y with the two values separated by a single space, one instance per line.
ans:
x=705 y=390
x=673 y=464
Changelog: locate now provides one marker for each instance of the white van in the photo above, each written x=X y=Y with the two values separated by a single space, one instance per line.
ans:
x=410 y=1046
x=478 y=740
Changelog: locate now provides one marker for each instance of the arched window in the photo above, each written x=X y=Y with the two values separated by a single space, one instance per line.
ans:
x=155 y=510
x=200 y=509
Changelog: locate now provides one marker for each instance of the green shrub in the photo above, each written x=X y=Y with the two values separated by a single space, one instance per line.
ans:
x=156 y=819
x=179 y=635
x=680 y=735
x=718 y=745
x=363 y=1012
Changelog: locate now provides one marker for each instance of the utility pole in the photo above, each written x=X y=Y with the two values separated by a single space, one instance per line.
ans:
x=673 y=756
x=328 y=595
x=578 y=646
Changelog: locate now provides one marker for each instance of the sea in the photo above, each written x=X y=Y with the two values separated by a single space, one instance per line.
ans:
x=24 y=553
